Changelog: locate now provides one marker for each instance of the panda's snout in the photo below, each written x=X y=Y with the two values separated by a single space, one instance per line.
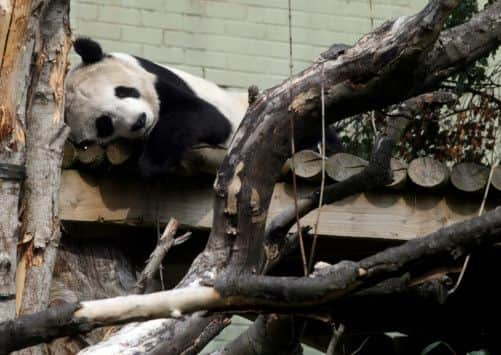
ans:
x=140 y=123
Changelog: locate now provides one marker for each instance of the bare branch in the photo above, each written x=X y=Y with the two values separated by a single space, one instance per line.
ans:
x=246 y=291
x=337 y=333
x=165 y=242
x=459 y=46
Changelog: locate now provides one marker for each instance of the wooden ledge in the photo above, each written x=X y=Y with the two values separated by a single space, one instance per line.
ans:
x=378 y=214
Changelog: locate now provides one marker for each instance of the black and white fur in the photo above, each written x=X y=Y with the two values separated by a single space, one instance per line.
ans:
x=116 y=95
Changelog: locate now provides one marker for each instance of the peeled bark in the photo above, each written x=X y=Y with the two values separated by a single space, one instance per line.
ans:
x=45 y=137
x=46 y=134
x=19 y=22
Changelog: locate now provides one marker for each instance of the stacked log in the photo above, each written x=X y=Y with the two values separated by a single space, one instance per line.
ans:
x=91 y=155
x=496 y=178
x=307 y=165
x=428 y=173
x=424 y=172
x=469 y=177
x=341 y=166
x=201 y=159
x=399 y=174
x=69 y=155
x=118 y=153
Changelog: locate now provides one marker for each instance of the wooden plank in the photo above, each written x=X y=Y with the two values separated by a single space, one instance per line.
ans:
x=378 y=214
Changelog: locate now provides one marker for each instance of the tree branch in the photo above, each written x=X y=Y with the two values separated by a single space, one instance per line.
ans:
x=359 y=79
x=165 y=242
x=458 y=46
x=233 y=292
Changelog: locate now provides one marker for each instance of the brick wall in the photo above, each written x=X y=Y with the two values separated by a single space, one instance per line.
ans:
x=235 y=43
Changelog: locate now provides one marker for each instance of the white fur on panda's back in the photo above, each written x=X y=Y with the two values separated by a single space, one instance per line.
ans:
x=226 y=103
x=230 y=105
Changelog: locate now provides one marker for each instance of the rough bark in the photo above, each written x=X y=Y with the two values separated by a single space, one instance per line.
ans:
x=87 y=270
x=18 y=24
x=276 y=243
x=377 y=173
x=459 y=46
x=45 y=136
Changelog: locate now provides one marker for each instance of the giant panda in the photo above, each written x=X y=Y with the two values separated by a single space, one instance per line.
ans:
x=117 y=95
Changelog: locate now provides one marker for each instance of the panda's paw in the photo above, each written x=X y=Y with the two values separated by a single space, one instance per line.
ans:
x=150 y=170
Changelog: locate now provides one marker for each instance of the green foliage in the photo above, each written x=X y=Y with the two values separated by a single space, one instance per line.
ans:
x=462 y=13
x=475 y=74
x=464 y=132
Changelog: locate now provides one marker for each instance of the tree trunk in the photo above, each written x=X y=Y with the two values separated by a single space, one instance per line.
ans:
x=18 y=24
x=45 y=137
x=32 y=133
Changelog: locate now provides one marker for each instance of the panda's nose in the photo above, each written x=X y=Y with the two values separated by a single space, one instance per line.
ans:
x=141 y=121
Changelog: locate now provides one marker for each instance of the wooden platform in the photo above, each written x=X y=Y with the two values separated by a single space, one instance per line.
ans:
x=379 y=214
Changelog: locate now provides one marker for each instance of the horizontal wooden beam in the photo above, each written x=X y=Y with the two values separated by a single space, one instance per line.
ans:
x=378 y=214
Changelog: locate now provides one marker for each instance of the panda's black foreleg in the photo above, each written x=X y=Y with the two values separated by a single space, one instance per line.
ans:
x=176 y=133
x=162 y=153
x=149 y=169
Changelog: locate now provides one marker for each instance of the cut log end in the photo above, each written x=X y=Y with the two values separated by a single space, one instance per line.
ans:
x=118 y=152
x=307 y=164
x=69 y=155
x=496 y=178
x=204 y=159
x=93 y=154
x=469 y=177
x=341 y=166
x=399 y=171
x=428 y=172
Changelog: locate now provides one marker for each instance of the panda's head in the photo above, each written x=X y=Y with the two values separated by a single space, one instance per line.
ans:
x=108 y=96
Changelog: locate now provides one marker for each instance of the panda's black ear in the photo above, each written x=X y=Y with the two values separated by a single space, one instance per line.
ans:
x=89 y=50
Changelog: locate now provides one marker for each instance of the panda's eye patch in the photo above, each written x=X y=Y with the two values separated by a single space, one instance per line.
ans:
x=104 y=126
x=124 y=91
